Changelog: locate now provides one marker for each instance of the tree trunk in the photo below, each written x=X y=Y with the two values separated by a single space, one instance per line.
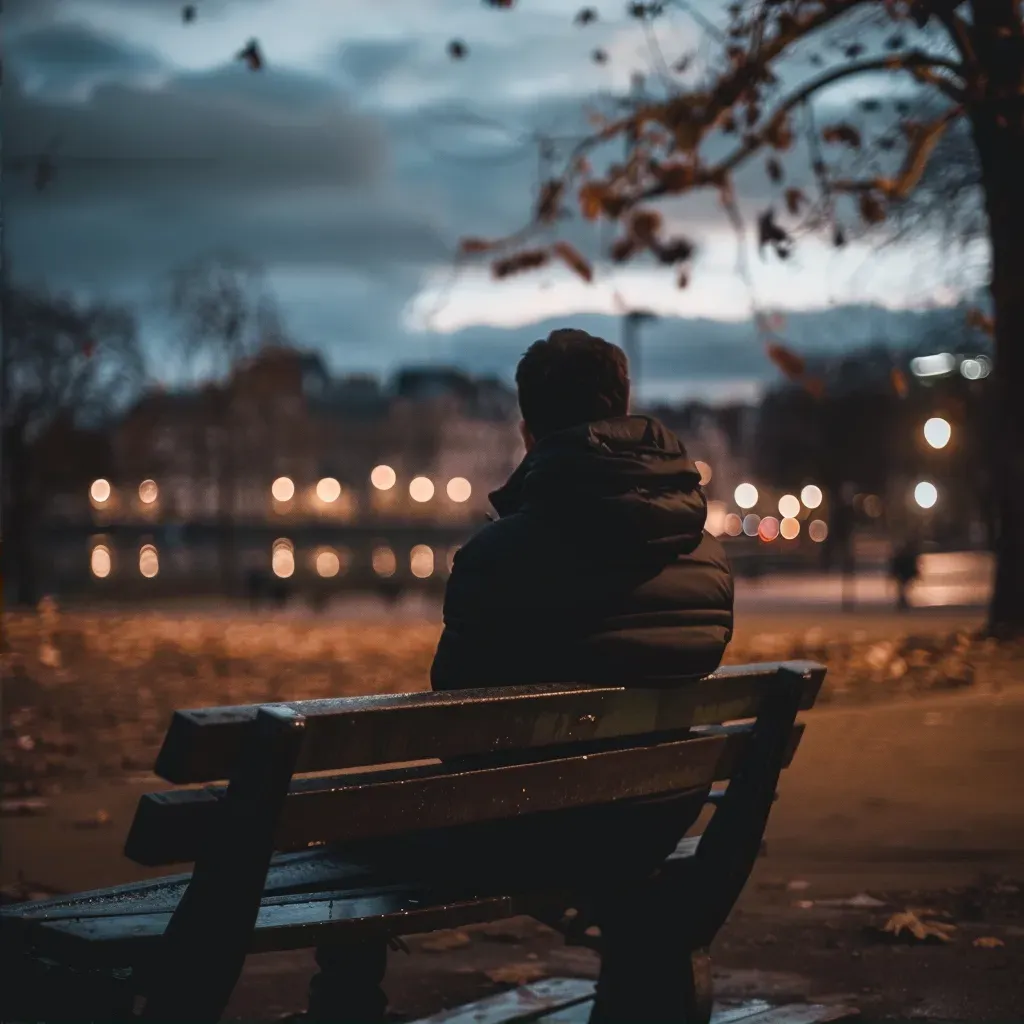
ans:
x=19 y=519
x=997 y=122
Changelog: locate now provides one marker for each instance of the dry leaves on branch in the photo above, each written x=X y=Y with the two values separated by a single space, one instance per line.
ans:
x=549 y=203
x=675 y=250
x=795 y=199
x=574 y=260
x=473 y=246
x=585 y=15
x=770 y=234
x=530 y=259
x=976 y=318
x=907 y=924
x=842 y=134
x=251 y=55
x=516 y=974
x=791 y=364
x=645 y=224
x=623 y=249
x=872 y=210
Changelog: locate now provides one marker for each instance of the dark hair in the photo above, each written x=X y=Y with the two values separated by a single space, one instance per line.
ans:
x=571 y=378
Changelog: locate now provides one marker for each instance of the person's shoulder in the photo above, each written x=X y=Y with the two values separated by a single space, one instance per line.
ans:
x=499 y=540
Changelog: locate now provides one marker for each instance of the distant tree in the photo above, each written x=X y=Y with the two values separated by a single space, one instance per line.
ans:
x=226 y=316
x=66 y=366
x=968 y=56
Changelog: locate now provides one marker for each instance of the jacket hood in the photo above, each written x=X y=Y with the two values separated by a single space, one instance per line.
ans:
x=627 y=480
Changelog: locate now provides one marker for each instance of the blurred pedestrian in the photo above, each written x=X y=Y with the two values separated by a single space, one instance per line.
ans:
x=905 y=568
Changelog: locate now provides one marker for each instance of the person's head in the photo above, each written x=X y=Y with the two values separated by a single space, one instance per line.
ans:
x=570 y=378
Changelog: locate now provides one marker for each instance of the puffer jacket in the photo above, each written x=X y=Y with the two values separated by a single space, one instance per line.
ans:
x=597 y=569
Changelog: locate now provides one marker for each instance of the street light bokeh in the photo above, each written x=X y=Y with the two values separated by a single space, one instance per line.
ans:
x=328 y=489
x=421 y=489
x=937 y=432
x=789 y=506
x=100 y=491
x=283 y=489
x=459 y=489
x=383 y=478
x=811 y=496
x=746 y=495
x=926 y=494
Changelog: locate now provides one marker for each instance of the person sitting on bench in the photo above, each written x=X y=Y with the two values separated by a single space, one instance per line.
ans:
x=597 y=570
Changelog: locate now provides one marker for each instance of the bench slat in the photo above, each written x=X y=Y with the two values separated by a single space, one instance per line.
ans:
x=202 y=745
x=298 y=921
x=172 y=827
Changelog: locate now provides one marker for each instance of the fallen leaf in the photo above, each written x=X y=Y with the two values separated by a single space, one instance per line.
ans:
x=862 y=899
x=516 y=974
x=804 y=904
x=988 y=942
x=96 y=820
x=798 y=885
x=442 y=942
x=907 y=923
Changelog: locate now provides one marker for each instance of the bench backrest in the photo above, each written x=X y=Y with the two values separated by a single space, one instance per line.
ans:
x=506 y=751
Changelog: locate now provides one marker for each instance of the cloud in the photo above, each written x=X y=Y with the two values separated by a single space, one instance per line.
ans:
x=277 y=165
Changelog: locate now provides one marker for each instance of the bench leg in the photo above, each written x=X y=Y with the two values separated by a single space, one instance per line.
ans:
x=649 y=968
x=347 y=988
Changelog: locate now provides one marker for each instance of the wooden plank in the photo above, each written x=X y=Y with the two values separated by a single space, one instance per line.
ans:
x=173 y=827
x=803 y=1013
x=281 y=925
x=202 y=745
x=291 y=877
x=527 y=1003
x=579 y=1013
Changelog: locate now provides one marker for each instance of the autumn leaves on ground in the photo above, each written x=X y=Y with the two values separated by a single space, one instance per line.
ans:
x=89 y=696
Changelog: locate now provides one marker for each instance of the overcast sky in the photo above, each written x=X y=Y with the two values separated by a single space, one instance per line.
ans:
x=350 y=166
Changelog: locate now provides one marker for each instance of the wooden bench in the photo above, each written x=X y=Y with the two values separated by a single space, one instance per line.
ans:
x=274 y=866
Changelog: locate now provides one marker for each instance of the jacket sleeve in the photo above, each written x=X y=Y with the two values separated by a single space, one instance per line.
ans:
x=460 y=661
x=486 y=614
